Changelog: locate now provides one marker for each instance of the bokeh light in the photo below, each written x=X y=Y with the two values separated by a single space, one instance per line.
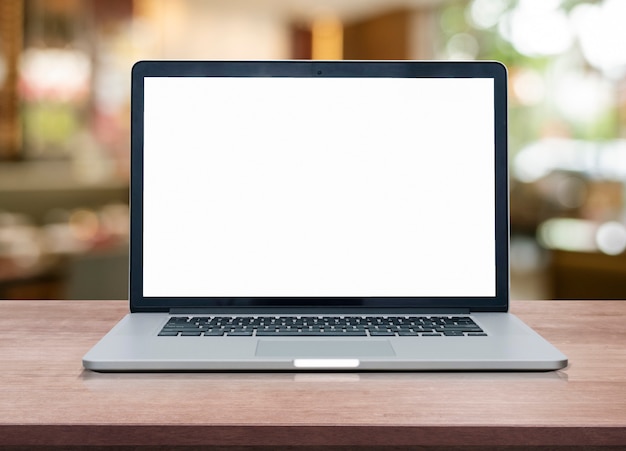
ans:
x=611 y=238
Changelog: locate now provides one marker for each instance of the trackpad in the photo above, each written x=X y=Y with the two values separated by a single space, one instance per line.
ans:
x=319 y=348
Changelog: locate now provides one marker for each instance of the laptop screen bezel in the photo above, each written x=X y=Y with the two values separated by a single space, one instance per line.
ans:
x=404 y=69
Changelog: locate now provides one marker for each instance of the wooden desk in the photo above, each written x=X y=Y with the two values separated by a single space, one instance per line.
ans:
x=46 y=398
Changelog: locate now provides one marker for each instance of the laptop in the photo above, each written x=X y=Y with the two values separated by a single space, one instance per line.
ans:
x=319 y=216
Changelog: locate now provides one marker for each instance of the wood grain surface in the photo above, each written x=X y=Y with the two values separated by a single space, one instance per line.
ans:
x=47 y=399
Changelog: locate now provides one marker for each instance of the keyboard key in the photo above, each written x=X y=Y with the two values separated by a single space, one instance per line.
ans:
x=214 y=333
x=453 y=333
x=168 y=333
x=407 y=333
x=268 y=333
x=339 y=333
x=382 y=333
x=462 y=328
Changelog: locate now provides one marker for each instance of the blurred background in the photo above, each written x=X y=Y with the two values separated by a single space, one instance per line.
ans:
x=65 y=100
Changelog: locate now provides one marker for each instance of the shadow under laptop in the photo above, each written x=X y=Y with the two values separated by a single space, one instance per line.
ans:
x=232 y=380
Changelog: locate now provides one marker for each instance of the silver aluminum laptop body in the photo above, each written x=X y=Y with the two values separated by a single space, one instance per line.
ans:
x=360 y=192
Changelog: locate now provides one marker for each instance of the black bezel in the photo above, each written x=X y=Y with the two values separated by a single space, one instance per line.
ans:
x=406 y=69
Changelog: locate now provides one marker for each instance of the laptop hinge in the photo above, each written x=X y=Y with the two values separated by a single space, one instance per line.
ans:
x=317 y=311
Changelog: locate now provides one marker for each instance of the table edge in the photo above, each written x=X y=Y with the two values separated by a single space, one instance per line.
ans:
x=283 y=435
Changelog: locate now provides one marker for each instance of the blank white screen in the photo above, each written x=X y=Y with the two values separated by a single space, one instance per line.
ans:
x=318 y=187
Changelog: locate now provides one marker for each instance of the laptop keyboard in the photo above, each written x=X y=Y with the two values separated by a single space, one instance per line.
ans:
x=316 y=326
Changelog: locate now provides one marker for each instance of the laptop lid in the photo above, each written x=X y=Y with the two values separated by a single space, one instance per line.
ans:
x=319 y=185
